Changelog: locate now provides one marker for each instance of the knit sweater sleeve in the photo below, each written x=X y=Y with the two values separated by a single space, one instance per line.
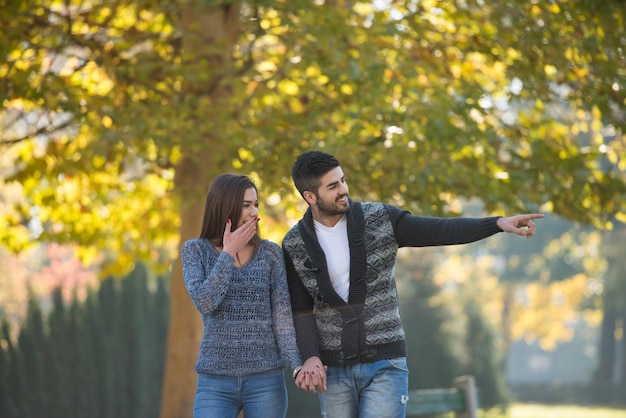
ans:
x=282 y=319
x=425 y=231
x=207 y=278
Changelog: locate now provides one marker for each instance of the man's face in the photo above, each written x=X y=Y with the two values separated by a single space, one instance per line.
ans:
x=332 y=195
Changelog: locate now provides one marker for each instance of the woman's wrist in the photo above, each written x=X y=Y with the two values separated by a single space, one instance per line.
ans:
x=296 y=371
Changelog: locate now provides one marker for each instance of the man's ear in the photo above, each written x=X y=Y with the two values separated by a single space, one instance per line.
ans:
x=310 y=197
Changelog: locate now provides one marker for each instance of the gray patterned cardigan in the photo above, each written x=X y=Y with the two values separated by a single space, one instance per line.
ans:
x=368 y=327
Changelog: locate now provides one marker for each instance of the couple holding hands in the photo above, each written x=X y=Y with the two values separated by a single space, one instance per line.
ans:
x=325 y=304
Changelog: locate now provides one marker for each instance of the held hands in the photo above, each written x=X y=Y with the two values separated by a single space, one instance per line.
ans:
x=312 y=376
x=235 y=240
x=519 y=224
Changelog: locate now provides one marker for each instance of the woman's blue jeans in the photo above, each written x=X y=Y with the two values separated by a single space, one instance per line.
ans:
x=262 y=395
x=367 y=390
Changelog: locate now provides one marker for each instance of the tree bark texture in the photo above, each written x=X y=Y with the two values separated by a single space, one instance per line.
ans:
x=603 y=376
x=210 y=33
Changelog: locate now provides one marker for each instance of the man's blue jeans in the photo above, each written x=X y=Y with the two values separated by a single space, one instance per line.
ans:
x=262 y=395
x=367 y=390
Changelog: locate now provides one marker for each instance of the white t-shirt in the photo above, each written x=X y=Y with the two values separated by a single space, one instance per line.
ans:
x=334 y=243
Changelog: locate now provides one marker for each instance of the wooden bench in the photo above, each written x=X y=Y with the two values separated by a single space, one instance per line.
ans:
x=462 y=399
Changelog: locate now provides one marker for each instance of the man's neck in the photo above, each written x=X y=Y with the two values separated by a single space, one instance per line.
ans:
x=325 y=219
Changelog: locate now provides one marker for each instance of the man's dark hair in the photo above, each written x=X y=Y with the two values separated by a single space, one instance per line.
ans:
x=309 y=168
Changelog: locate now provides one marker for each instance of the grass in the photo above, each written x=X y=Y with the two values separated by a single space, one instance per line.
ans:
x=555 y=411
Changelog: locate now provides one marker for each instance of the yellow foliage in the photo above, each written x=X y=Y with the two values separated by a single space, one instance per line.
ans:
x=151 y=150
x=354 y=53
x=296 y=105
x=119 y=267
x=266 y=66
x=91 y=77
x=245 y=155
x=550 y=70
x=268 y=100
x=17 y=237
x=414 y=69
x=104 y=12
x=175 y=154
x=593 y=317
x=554 y=8
x=98 y=161
x=70 y=65
x=363 y=8
x=539 y=104
x=107 y=122
x=547 y=207
x=546 y=312
x=312 y=71
x=265 y=24
x=79 y=28
x=125 y=17
x=456 y=71
x=513 y=54
x=288 y=88
x=581 y=72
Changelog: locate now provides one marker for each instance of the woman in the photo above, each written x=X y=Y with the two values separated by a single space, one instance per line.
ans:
x=238 y=283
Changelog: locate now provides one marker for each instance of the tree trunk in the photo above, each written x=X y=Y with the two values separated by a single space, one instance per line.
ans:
x=622 y=375
x=507 y=302
x=185 y=332
x=603 y=376
x=210 y=33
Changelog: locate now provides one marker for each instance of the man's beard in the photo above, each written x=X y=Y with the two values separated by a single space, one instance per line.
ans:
x=331 y=209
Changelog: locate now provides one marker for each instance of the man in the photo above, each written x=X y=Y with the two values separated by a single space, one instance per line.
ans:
x=340 y=268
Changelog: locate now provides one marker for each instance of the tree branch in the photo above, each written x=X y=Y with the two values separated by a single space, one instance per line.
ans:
x=44 y=130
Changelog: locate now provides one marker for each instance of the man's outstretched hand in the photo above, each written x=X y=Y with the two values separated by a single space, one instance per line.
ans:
x=519 y=224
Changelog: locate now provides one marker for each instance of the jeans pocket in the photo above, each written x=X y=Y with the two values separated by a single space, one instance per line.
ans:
x=399 y=363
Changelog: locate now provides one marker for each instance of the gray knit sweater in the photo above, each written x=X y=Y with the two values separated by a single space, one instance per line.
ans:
x=246 y=311
x=368 y=327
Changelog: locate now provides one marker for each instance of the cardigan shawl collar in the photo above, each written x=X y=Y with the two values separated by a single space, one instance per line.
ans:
x=351 y=312
x=358 y=256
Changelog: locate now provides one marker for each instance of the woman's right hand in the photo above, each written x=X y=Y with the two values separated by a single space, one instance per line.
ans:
x=235 y=240
x=312 y=376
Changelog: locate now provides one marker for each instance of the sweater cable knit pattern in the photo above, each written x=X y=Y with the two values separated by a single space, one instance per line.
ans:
x=246 y=311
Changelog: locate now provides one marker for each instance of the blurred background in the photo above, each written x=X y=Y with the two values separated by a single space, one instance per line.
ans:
x=117 y=114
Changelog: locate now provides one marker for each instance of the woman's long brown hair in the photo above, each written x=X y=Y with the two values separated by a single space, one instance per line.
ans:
x=224 y=201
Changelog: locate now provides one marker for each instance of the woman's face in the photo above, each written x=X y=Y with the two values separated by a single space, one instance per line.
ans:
x=250 y=209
